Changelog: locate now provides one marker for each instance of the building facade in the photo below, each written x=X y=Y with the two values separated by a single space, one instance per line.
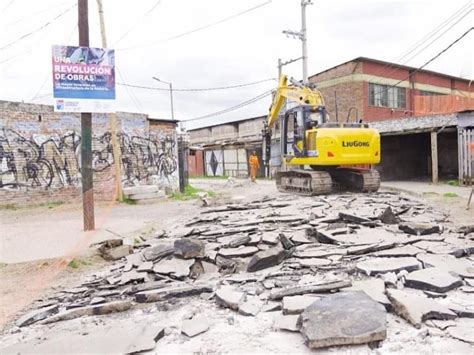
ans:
x=40 y=153
x=374 y=90
x=226 y=147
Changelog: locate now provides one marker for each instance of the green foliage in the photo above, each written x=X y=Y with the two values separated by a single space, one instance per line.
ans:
x=129 y=201
x=190 y=193
x=76 y=263
x=453 y=182
x=8 y=206
x=450 y=194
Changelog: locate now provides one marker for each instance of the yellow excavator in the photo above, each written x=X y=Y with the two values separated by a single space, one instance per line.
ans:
x=334 y=151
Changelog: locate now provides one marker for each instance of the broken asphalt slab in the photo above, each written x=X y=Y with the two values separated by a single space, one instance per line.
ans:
x=416 y=308
x=123 y=337
x=344 y=318
x=432 y=279
x=319 y=287
x=376 y=266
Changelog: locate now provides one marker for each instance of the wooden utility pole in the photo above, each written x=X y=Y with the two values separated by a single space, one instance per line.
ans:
x=86 y=132
x=112 y=117
x=434 y=157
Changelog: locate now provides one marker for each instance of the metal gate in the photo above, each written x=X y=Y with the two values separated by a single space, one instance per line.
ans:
x=466 y=155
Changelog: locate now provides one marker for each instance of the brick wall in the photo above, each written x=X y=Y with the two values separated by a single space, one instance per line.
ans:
x=348 y=95
x=40 y=154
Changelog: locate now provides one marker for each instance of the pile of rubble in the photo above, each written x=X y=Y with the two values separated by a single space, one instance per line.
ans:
x=329 y=267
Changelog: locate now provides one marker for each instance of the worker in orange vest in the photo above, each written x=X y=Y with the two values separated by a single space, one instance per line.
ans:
x=254 y=165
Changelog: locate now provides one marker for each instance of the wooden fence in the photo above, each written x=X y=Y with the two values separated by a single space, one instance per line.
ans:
x=466 y=155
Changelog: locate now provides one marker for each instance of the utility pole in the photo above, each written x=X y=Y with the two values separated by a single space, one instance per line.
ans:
x=304 y=39
x=112 y=118
x=171 y=93
x=302 y=35
x=86 y=132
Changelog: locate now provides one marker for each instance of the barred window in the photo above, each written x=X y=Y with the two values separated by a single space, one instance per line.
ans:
x=387 y=96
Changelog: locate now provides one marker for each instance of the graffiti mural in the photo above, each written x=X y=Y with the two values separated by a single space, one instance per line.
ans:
x=52 y=161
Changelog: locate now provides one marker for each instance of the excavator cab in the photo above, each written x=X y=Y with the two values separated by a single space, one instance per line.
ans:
x=296 y=122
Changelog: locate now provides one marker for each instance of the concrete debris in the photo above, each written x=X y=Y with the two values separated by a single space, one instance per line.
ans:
x=178 y=268
x=327 y=259
x=158 y=251
x=383 y=265
x=194 y=326
x=440 y=324
x=297 y=304
x=388 y=217
x=122 y=337
x=354 y=218
x=228 y=297
x=287 y=322
x=189 y=248
x=344 y=318
x=314 y=262
x=374 y=288
x=112 y=307
x=251 y=307
x=37 y=315
x=406 y=250
x=266 y=259
x=145 y=267
x=449 y=263
x=238 y=252
x=432 y=279
x=463 y=330
x=419 y=228
x=416 y=308
x=172 y=292
x=113 y=249
x=320 y=287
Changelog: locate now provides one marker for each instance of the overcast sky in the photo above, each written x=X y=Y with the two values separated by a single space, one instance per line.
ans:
x=236 y=51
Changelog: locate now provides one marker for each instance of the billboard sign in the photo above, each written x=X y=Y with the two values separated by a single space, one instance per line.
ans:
x=83 y=79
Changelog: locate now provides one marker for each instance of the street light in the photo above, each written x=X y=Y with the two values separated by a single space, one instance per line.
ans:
x=171 y=93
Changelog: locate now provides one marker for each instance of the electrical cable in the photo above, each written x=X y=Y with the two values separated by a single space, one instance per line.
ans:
x=48 y=74
x=197 y=89
x=198 y=28
x=28 y=17
x=38 y=29
x=233 y=108
x=138 y=22
x=428 y=62
x=429 y=44
x=130 y=93
x=8 y=5
x=385 y=69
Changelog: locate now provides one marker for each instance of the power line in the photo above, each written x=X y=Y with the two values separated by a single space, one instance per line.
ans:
x=384 y=70
x=233 y=108
x=28 y=17
x=428 y=62
x=197 y=89
x=130 y=93
x=48 y=74
x=38 y=29
x=198 y=28
x=8 y=5
x=430 y=43
x=138 y=22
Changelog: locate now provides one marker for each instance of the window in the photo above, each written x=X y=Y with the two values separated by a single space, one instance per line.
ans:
x=429 y=93
x=387 y=96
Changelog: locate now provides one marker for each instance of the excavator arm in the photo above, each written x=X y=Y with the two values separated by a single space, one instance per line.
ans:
x=298 y=93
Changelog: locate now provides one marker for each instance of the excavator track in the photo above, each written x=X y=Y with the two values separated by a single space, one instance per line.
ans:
x=357 y=179
x=304 y=182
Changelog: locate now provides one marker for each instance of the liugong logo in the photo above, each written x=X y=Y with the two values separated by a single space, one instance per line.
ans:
x=355 y=144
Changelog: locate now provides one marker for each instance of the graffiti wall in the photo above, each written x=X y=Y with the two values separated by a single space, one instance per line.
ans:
x=41 y=152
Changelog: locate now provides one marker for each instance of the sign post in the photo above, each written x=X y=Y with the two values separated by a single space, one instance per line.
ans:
x=84 y=81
